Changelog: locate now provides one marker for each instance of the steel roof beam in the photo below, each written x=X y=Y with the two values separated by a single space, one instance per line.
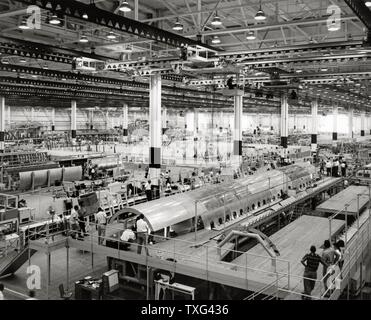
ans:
x=23 y=48
x=108 y=19
x=361 y=11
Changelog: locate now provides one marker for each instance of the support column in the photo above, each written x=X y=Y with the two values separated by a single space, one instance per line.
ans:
x=91 y=119
x=284 y=123
x=363 y=122
x=314 y=108
x=2 y=124
x=107 y=116
x=164 y=120
x=155 y=128
x=335 y=125
x=185 y=138
x=237 y=136
x=125 y=121
x=53 y=119
x=195 y=133
x=8 y=116
x=73 y=121
x=350 y=123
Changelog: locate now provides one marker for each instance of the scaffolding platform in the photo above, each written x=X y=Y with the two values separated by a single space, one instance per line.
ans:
x=346 y=201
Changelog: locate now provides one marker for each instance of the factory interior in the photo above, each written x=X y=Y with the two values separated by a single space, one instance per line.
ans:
x=185 y=150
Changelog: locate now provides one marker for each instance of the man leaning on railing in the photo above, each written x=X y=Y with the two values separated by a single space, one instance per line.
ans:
x=311 y=263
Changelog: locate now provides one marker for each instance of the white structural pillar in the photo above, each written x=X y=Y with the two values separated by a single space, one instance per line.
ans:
x=73 y=121
x=334 y=125
x=314 y=108
x=237 y=137
x=107 y=118
x=91 y=119
x=284 y=123
x=164 y=120
x=9 y=117
x=363 y=123
x=350 y=123
x=125 y=121
x=195 y=133
x=2 y=124
x=155 y=128
x=53 y=119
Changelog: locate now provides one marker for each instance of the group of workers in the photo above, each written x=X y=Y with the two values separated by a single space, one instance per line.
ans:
x=140 y=232
x=331 y=256
x=334 y=167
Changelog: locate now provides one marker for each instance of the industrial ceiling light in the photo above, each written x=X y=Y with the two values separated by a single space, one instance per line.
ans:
x=84 y=39
x=125 y=7
x=23 y=25
x=251 y=35
x=368 y=3
x=111 y=35
x=216 y=20
x=85 y=16
x=22 y=60
x=260 y=15
x=215 y=40
x=177 y=26
x=54 y=20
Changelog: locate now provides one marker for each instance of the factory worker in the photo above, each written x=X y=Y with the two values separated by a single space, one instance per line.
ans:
x=127 y=236
x=168 y=188
x=142 y=233
x=74 y=220
x=311 y=263
x=101 y=221
x=148 y=188
x=328 y=168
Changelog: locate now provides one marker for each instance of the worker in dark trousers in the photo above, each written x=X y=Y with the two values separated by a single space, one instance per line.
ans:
x=311 y=263
x=328 y=168
x=148 y=188
x=343 y=167
x=335 y=168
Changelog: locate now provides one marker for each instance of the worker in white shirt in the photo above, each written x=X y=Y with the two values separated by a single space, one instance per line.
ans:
x=101 y=221
x=74 y=221
x=148 y=188
x=328 y=168
x=1 y=292
x=142 y=234
x=127 y=236
x=335 y=168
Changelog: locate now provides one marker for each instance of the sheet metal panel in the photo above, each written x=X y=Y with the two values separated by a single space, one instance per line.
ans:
x=169 y=211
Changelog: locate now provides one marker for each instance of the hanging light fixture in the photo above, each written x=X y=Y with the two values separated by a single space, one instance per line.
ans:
x=23 y=25
x=111 y=35
x=251 y=35
x=216 y=20
x=368 y=3
x=22 y=60
x=260 y=15
x=54 y=20
x=85 y=16
x=83 y=39
x=125 y=7
x=215 y=40
x=177 y=26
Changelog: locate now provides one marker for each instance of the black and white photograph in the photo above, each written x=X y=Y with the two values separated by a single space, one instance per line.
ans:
x=189 y=157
